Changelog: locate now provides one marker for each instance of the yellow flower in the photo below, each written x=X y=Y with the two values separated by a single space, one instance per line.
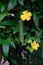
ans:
x=28 y=17
x=25 y=12
x=34 y=45
x=29 y=13
x=22 y=17
x=25 y=15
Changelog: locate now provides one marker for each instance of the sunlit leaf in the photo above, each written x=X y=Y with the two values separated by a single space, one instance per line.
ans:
x=5 y=49
x=21 y=2
x=3 y=6
x=30 y=49
x=2 y=15
x=12 y=4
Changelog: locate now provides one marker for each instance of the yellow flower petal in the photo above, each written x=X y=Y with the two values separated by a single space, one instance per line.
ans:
x=25 y=12
x=28 y=17
x=29 y=13
x=36 y=48
x=38 y=45
x=22 y=17
x=35 y=45
x=25 y=15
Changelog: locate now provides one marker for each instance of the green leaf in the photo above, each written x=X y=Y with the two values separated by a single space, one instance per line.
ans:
x=16 y=39
x=30 y=49
x=9 y=23
x=36 y=19
x=21 y=2
x=5 y=50
x=15 y=29
x=12 y=4
x=2 y=26
x=4 y=42
x=38 y=33
x=33 y=0
x=3 y=6
x=36 y=38
x=1 y=41
x=2 y=15
x=7 y=31
x=40 y=3
x=28 y=40
x=11 y=42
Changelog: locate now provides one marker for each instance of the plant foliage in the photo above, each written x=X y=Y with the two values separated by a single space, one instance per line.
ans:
x=10 y=11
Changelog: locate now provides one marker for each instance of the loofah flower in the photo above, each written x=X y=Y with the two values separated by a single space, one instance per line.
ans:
x=34 y=45
x=25 y=15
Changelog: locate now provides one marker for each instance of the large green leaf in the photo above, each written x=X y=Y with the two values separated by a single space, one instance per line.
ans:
x=38 y=33
x=1 y=26
x=5 y=49
x=33 y=0
x=2 y=15
x=3 y=6
x=21 y=2
x=11 y=42
x=12 y=4
x=36 y=19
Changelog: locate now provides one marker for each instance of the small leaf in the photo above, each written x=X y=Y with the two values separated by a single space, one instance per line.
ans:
x=30 y=49
x=5 y=49
x=28 y=40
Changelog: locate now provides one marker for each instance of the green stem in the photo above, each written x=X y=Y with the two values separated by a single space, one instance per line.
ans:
x=21 y=34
